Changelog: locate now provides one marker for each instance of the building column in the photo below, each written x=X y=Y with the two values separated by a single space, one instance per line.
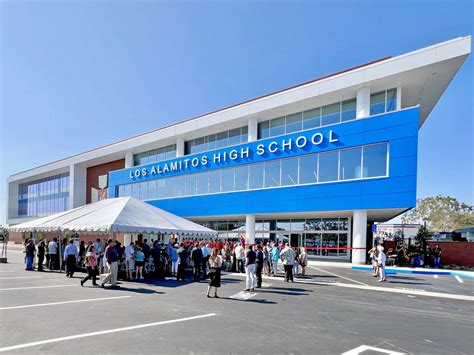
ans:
x=399 y=98
x=77 y=185
x=128 y=160
x=179 y=147
x=250 y=228
x=253 y=129
x=359 y=236
x=363 y=102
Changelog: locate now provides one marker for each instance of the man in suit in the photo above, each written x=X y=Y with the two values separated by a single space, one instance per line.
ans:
x=196 y=257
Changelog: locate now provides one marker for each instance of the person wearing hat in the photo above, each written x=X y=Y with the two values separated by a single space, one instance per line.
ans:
x=381 y=260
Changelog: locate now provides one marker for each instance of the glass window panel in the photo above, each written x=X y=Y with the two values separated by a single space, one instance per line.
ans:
x=331 y=114
x=350 y=161
x=375 y=160
x=202 y=183
x=348 y=110
x=144 y=159
x=211 y=142
x=330 y=224
x=308 y=169
x=328 y=166
x=329 y=244
x=190 y=184
x=244 y=137
x=343 y=224
x=180 y=185
x=227 y=179
x=152 y=189
x=121 y=191
x=188 y=147
x=277 y=126
x=312 y=224
x=221 y=139
x=136 y=190
x=283 y=225
x=289 y=171
x=234 y=136
x=222 y=226
x=272 y=174
x=312 y=118
x=241 y=177
x=161 y=188
x=161 y=154
x=144 y=190
x=152 y=156
x=214 y=181
x=255 y=176
x=391 y=100
x=199 y=145
x=127 y=190
x=264 y=130
x=342 y=244
x=170 y=187
x=294 y=122
x=297 y=224
x=377 y=103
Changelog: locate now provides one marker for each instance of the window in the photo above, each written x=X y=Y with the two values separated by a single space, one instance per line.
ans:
x=293 y=123
x=241 y=177
x=264 y=130
x=171 y=187
x=234 y=136
x=211 y=142
x=214 y=181
x=331 y=114
x=180 y=185
x=312 y=118
x=391 y=100
x=272 y=174
x=227 y=180
x=198 y=145
x=157 y=155
x=277 y=126
x=289 y=171
x=161 y=188
x=377 y=103
x=202 y=183
x=348 y=111
x=191 y=184
x=255 y=176
x=308 y=169
x=143 y=190
x=221 y=139
x=350 y=164
x=328 y=166
x=136 y=190
x=152 y=190
x=375 y=160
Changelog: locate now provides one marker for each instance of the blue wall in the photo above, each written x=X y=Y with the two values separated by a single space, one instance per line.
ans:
x=398 y=190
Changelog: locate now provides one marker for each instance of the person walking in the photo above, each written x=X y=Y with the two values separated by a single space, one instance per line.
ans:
x=259 y=265
x=29 y=254
x=182 y=262
x=288 y=256
x=196 y=257
x=250 y=280
x=130 y=260
x=206 y=254
x=174 y=260
x=373 y=259
x=90 y=261
x=275 y=257
x=53 y=254
x=437 y=256
x=239 y=257
x=71 y=255
x=215 y=265
x=41 y=252
x=303 y=260
x=111 y=256
x=139 y=262
x=381 y=260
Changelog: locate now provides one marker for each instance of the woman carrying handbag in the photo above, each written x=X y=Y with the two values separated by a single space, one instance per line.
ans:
x=91 y=266
x=214 y=274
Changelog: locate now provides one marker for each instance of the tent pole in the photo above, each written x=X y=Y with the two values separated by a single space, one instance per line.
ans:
x=60 y=253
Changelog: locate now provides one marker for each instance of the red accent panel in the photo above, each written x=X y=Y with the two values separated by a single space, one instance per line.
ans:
x=94 y=172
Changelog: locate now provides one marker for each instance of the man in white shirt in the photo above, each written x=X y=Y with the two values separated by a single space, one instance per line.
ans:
x=71 y=255
x=130 y=260
x=206 y=253
x=381 y=260
x=53 y=254
x=239 y=257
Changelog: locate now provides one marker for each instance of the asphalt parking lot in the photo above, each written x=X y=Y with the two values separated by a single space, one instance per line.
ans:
x=332 y=310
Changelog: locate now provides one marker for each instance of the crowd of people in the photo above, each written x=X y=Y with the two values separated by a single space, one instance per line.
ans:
x=416 y=255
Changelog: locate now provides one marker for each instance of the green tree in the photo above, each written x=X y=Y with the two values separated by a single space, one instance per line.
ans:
x=423 y=236
x=440 y=213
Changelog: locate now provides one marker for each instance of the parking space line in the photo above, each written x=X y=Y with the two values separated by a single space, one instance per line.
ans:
x=33 y=287
x=19 y=277
x=435 y=276
x=459 y=279
x=64 y=302
x=243 y=295
x=362 y=348
x=342 y=277
x=109 y=331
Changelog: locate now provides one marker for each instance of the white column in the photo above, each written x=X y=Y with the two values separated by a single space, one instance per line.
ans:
x=399 y=98
x=179 y=147
x=250 y=228
x=77 y=185
x=363 y=102
x=253 y=129
x=359 y=237
x=128 y=160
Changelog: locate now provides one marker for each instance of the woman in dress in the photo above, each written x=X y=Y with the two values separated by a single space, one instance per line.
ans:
x=215 y=264
x=91 y=266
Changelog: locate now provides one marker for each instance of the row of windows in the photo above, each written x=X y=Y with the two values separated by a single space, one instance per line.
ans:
x=155 y=155
x=215 y=141
x=347 y=164
x=45 y=207
x=338 y=112
x=310 y=224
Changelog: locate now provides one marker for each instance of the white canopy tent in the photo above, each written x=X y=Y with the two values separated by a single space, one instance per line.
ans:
x=115 y=215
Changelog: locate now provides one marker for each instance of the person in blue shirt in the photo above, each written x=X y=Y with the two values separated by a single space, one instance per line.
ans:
x=71 y=255
x=275 y=256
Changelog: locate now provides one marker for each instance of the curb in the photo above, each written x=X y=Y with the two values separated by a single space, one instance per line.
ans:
x=393 y=271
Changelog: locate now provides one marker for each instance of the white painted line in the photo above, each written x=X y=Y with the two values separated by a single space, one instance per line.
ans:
x=459 y=279
x=411 y=296
x=342 y=277
x=435 y=276
x=265 y=284
x=65 y=302
x=109 y=331
x=363 y=348
x=19 y=277
x=243 y=295
x=33 y=287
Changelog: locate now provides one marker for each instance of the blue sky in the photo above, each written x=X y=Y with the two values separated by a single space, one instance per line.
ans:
x=79 y=74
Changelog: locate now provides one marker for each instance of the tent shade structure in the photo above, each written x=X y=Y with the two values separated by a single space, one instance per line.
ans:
x=115 y=215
